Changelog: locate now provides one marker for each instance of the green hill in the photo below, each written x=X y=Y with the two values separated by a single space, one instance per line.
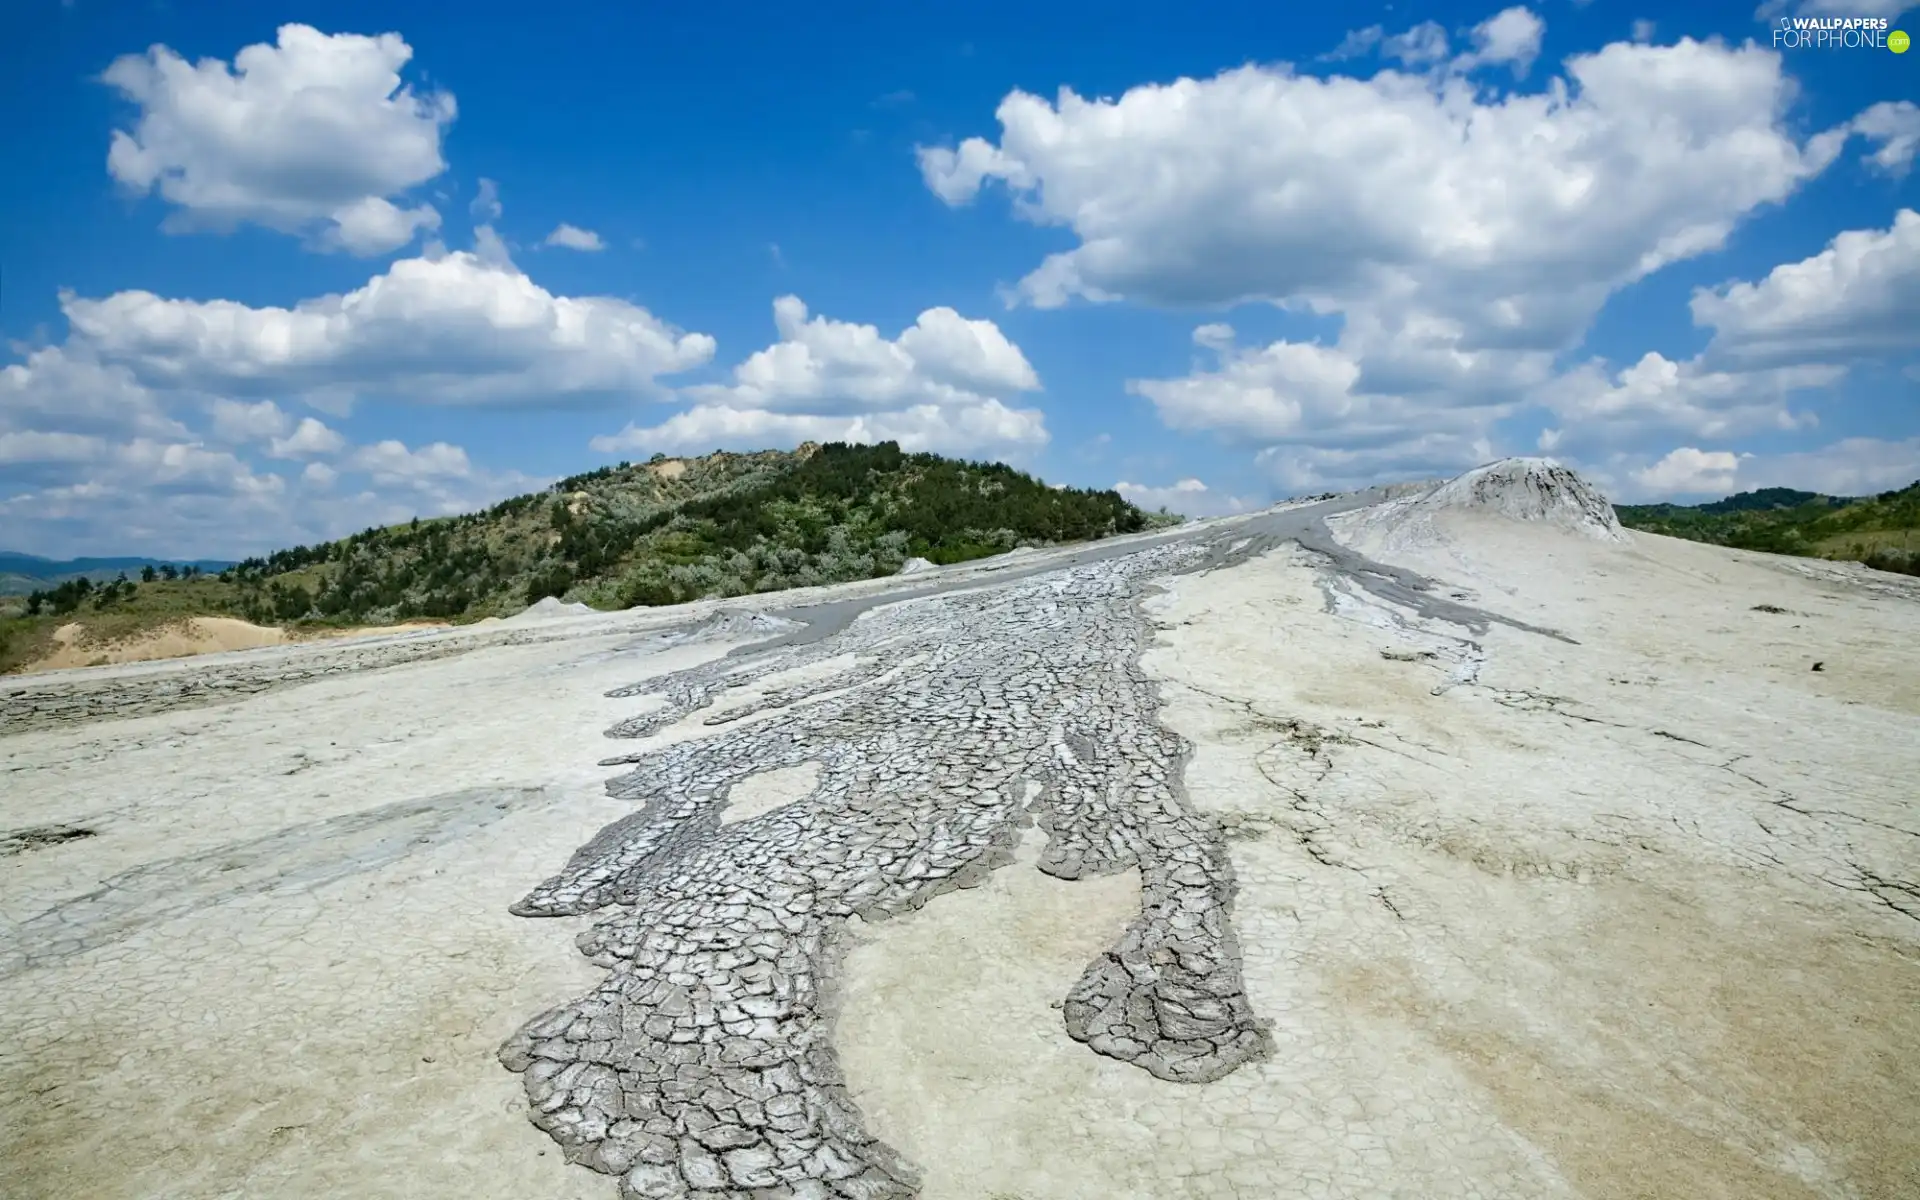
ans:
x=1881 y=531
x=660 y=532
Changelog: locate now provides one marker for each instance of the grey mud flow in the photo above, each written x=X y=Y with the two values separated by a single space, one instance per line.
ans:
x=703 y=1063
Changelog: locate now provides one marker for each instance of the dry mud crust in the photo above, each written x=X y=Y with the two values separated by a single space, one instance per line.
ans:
x=282 y=962
x=704 y=1062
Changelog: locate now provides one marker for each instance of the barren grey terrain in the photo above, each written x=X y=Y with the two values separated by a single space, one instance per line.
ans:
x=1430 y=842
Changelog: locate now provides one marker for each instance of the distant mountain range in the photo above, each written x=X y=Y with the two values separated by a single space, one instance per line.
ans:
x=23 y=573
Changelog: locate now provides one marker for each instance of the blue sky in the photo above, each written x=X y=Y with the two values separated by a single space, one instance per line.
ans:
x=274 y=273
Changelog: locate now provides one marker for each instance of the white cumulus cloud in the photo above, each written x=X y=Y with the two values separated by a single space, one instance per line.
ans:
x=451 y=329
x=1510 y=37
x=1659 y=395
x=311 y=438
x=392 y=462
x=572 y=237
x=826 y=366
x=58 y=390
x=1893 y=126
x=1858 y=298
x=1691 y=472
x=940 y=385
x=239 y=421
x=314 y=134
x=1515 y=215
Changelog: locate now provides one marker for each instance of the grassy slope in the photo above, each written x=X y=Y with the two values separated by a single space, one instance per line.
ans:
x=25 y=638
x=1882 y=531
x=653 y=533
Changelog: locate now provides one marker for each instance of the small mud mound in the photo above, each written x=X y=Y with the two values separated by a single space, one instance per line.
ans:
x=551 y=606
x=736 y=627
x=914 y=566
x=1531 y=489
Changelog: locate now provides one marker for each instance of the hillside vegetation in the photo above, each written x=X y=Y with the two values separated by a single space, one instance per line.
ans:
x=1881 y=531
x=661 y=532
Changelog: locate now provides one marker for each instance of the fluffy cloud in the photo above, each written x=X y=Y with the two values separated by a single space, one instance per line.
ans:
x=392 y=462
x=1188 y=497
x=375 y=226
x=314 y=134
x=486 y=207
x=188 y=500
x=1856 y=299
x=572 y=237
x=939 y=385
x=311 y=438
x=1423 y=45
x=1358 y=42
x=236 y=421
x=64 y=493
x=150 y=426
x=1793 y=333
x=1893 y=126
x=1515 y=216
x=54 y=390
x=42 y=446
x=1659 y=395
x=1510 y=37
x=451 y=329
x=1320 y=402
x=833 y=367
x=1687 y=471
x=93 y=461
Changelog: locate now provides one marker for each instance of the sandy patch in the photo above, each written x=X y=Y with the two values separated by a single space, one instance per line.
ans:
x=191 y=636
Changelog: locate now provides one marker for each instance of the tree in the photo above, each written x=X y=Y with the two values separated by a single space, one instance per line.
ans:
x=292 y=603
x=148 y=574
x=169 y=571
